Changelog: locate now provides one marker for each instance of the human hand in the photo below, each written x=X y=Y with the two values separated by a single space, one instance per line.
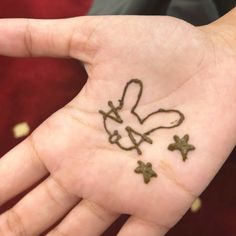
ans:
x=181 y=67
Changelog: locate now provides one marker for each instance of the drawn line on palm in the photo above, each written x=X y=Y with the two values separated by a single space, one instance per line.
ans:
x=113 y=115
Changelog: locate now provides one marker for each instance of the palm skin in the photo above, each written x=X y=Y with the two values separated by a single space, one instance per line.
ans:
x=182 y=67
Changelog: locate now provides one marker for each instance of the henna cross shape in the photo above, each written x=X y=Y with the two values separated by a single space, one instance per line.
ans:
x=136 y=137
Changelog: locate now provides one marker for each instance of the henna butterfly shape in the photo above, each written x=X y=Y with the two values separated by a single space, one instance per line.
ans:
x=130 y=137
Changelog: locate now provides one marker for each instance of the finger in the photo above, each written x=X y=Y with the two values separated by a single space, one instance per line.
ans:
x=59 y=38
x=38 y=210
x=20 y=168
x=138 y=227
x=85 y=219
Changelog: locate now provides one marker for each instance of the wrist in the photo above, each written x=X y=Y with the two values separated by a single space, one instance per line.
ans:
x=222 y=48
x=223 y=30
x=228 y=20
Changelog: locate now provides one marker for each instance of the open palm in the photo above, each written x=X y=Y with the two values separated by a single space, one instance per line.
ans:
x=91 y=180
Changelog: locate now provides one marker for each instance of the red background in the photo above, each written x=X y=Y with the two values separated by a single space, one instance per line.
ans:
x=32 y=89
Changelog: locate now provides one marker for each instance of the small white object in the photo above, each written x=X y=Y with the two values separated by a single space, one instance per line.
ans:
x=21 y=130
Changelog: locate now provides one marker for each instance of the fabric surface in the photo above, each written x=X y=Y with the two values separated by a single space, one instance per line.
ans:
x=198 y=12
x=32 y=89
x=129 y=7
x=195 y=12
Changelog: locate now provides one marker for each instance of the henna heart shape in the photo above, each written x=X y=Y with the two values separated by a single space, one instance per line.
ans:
x=136 y=137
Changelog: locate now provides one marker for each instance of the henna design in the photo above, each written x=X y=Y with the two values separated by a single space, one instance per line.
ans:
x=146 y=170
x=113 y=114
x=182 y=145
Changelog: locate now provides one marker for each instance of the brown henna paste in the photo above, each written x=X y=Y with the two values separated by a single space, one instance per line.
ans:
x=113 y=113
x=146 y=170
x=182 y=145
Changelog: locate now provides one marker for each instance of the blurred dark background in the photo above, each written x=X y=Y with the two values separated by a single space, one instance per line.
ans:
x=197 y=12
x=32 y=89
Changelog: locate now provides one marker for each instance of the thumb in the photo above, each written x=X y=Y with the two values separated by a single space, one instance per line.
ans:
x=54 y=38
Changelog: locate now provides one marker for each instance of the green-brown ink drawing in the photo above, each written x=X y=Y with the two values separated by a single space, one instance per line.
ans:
x=136 y=137
x=146 y=170
x=182 y=145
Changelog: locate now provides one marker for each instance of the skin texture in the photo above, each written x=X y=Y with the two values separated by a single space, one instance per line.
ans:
x=186 y=68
